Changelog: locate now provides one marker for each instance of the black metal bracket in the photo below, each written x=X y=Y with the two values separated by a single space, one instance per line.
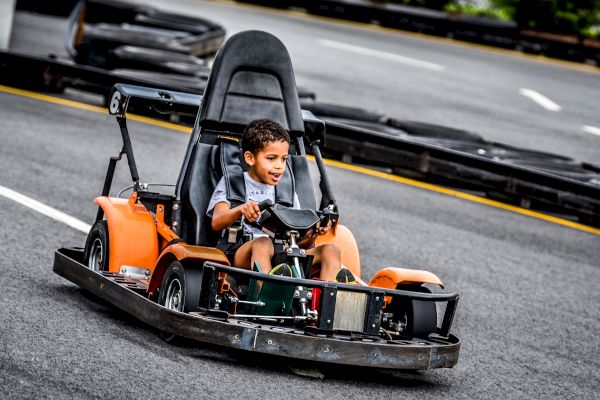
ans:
x=110 y=173
x=210 y=287
x=328 y=196
x=328 y=300
x=448 y=317
x=374 y=310
x=128 y=149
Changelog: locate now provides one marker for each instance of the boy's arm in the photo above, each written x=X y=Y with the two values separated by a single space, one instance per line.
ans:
x=223 y=216
x=312 y=237
x=307 y=242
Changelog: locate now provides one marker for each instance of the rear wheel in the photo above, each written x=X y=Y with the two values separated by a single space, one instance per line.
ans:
x=95 y=254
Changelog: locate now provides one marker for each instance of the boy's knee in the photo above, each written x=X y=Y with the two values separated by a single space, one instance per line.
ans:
x=330 y=250
x=264 y=244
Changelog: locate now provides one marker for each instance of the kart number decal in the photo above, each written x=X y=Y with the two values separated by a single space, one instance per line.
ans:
x=115 y=103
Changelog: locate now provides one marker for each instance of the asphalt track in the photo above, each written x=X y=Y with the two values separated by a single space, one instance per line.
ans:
x=528 y=314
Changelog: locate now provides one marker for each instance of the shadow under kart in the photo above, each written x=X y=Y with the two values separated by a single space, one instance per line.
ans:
x=154 y=256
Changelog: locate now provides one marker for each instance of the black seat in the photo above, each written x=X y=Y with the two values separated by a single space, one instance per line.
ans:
x=200 y=181
x=251 y=78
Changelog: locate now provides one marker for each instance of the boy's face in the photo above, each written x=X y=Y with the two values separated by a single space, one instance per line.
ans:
x=268 y=165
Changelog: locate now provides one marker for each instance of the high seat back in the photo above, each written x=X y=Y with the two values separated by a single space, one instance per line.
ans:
x=251 y=78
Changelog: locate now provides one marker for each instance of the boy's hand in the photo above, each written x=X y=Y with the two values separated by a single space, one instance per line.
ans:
x=250 y=211
x=319 y=230
x=323 y=230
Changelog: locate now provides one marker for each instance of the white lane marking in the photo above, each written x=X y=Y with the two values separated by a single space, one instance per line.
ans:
x=381 y=54
x=44 y=209
x=591 y=129
x=540 y=99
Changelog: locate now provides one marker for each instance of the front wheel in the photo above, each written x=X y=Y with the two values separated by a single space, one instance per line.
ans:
x=180 y=291
x=95 y=254
x=419 y=317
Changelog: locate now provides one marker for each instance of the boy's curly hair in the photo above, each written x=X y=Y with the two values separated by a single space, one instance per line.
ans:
x=261 y=132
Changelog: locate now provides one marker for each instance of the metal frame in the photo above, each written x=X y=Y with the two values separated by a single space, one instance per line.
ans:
x=118 y=291
x=416 y=354
x=123 y=94
x=120 y=99
x=332 y=287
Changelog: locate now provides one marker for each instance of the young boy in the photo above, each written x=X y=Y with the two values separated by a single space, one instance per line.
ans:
x=265 y=145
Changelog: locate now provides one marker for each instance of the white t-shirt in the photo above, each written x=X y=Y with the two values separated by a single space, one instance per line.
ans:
x=255 y=191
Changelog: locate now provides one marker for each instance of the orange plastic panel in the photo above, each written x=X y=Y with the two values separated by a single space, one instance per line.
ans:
x=389 y=278
x=342 y=237
x=187 y=251
x=132 y=237
x=184 y=253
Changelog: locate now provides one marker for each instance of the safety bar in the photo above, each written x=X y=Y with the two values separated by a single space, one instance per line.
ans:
x=325 y=284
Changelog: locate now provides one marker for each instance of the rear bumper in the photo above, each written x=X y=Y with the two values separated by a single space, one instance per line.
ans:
x=416 y=354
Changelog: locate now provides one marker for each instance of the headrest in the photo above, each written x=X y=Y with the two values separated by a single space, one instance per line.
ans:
x=251 y=78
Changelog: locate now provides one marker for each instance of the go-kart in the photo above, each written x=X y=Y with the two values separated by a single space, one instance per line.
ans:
x=154 y=255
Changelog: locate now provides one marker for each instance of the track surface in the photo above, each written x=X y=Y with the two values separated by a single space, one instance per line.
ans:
x=528 y=312
x=528 y=315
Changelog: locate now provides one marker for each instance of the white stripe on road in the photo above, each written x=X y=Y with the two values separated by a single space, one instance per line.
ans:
x=591 y=129
x=381 y=54
x=44 y=209
x=540 y=99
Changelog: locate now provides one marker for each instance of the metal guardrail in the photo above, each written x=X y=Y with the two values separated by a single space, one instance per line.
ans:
x=511 y=182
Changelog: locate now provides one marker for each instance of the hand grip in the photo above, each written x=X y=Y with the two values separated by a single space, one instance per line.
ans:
x=263 y=205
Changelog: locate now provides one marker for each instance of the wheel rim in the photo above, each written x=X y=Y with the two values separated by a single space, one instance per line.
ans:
x=95 y=261
x=173 y=298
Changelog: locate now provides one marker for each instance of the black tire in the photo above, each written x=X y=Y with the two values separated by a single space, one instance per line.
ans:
x=180 y=291
x=421 y=316
x=96 y=252
x=324 y=110
x=426 y=130
x=189 y=281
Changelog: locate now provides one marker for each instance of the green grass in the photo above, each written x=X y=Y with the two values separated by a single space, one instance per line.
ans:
x=491 y=12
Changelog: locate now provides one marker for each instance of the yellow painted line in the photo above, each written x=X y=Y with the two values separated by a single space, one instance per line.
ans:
x=88 y=107
x=417 y=35
x=52 y=99
x=338 y=164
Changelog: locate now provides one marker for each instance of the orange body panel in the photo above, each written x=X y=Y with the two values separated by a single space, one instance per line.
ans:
x=185 y=254
x=342 y=237
x=389 y=278
x=132 y=237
